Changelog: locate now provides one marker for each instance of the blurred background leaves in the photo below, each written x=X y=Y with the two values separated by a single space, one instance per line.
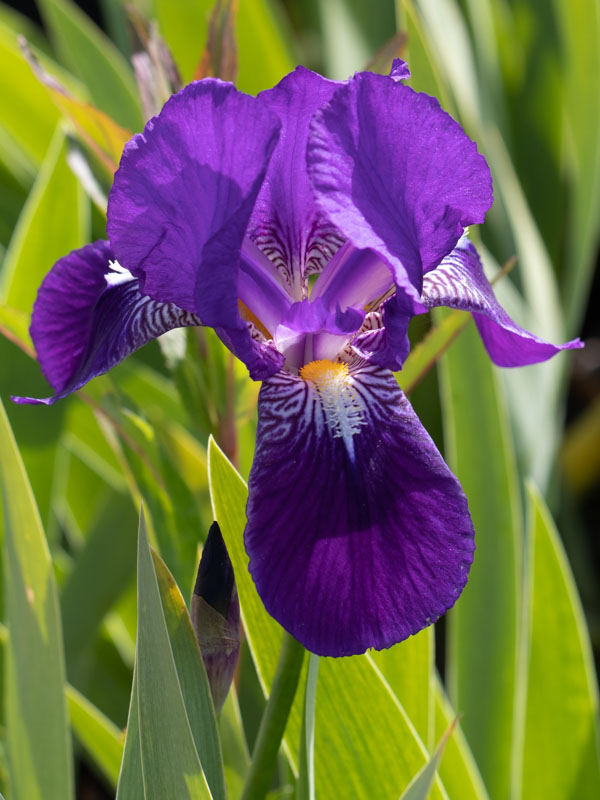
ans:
x=514 y=656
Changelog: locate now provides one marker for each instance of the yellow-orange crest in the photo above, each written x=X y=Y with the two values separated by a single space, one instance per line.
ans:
x=341 y=403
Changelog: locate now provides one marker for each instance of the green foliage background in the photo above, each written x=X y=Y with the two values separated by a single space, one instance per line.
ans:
x=89 y=650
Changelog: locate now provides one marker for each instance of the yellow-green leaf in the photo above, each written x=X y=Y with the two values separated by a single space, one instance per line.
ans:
x=38 y=739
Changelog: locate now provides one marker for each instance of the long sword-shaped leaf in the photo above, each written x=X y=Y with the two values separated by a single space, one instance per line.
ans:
x=458 y=769
x=560 y=750
x=483 y=626
x=38 y=739
x=408 y=668
x=131 y=781
x=170 y=763
x=192 y=678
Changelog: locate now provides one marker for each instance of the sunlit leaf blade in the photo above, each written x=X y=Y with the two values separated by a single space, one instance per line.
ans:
x=170 y=762
x=101 y=738
x=42 y=235
x=14 y=325
x=28 y=116
x=229 y=494
x=479 y=451
x=95 y=59
x=560 y=750
x=131 y=781
x=192 y=678
x=408 y=668
x=38 y=739
x=430 y=349
x=447 y=32
x=365 y=746
x=421 y=785
x=458 y=769
x=96 y=128
x=426 y=75
x=184 y=26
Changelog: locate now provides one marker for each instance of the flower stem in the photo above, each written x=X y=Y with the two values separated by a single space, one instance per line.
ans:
x=272 y=724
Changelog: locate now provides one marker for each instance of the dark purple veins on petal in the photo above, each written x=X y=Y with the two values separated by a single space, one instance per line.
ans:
x=460 y=282
x=286 y=223
x=358 y=533
x=83 y=323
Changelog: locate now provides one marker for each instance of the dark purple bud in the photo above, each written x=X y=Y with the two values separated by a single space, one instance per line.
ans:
x=215 y=615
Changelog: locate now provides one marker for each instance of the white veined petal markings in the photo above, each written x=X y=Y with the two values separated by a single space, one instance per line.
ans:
x=342 y=405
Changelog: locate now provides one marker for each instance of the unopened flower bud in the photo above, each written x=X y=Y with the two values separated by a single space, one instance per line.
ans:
x=215 y=615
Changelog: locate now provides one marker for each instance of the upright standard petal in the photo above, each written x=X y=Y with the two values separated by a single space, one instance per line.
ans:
x=183 y=195
x=358 y=533
x=286 y=224
x=396 y=174
x=459 y=282
x=89 y=315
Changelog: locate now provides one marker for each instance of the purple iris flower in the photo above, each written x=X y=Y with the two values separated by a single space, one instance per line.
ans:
x=306 y=226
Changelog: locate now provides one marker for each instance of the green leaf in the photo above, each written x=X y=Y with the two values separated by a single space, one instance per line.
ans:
x=264 y=635
x=429 y=350
x=408 y=668
x=42 y=235
x=109 y=552
x=229 y=494
x=365 y=746
x=233 y=743
x=421 y=785
x=579 y=27
x=28 y=116
x=38 y=740
x=447 y=33
x=479 y=451
x=426 y=75
x=560 y=745
x=100 y=737
x=193 y=681
x=170 y=763
x=458 y=769
x=95 y=59
x=131 y=780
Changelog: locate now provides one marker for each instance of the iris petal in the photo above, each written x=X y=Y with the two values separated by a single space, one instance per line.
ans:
x=183 y=195
x=286 y=224
x=358 y=533
x=459 y=282
x=396 y=174
x=88 y=316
